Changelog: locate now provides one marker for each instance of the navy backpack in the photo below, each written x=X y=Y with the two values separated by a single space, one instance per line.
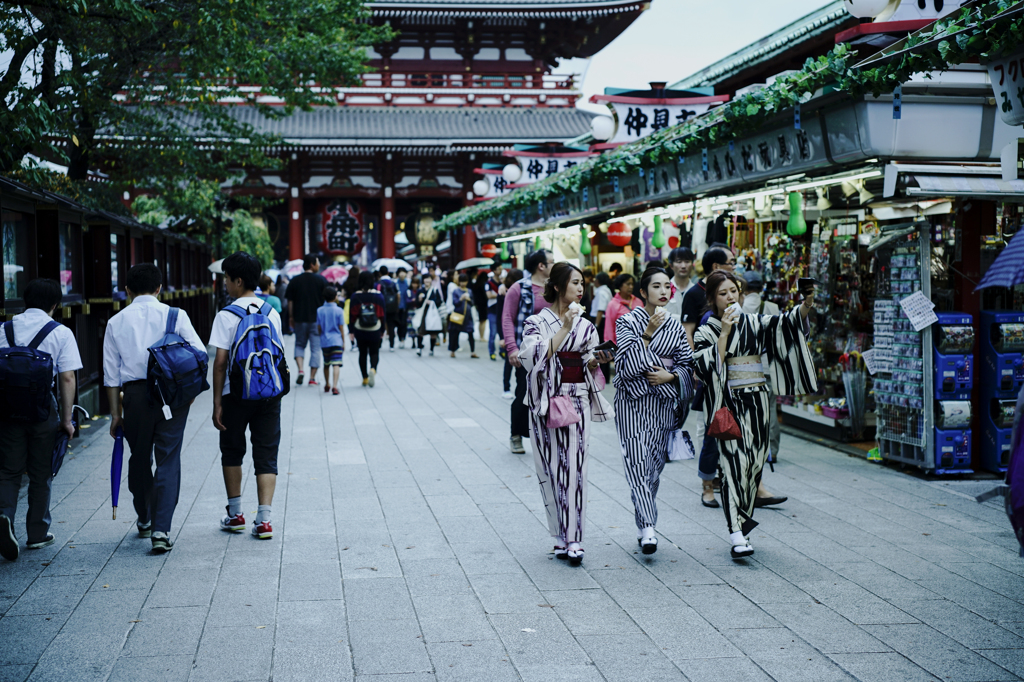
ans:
x=26 y=378
x=177 y=369
x=258 y=368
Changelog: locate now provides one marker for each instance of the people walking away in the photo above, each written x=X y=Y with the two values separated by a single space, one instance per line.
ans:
x=716 y=258
x=680 y=261
x=588 y=292
x=427 y=321
x=268 y=290
x=305 y=294
x=35 y=350
x=523 y=299
x=755 y=304
x=403 y=313
x=281 y=291
x=350 y=286
x=409 y=300
x=461 y=318
x=728 y=362
x=653 y=387
x=392 y=303
x=512 y=276
x=369 y=325
x=151 y=432
x=330 y=322
x=247 y=336
x=491 y=287
x=599 y=306
x=622 y=302
x=559 y=356
x=480 y=302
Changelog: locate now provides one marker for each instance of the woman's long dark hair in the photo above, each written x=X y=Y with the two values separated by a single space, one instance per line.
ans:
x=558 y=280
x=366 y=280
x=645 y=280
x=711 y=284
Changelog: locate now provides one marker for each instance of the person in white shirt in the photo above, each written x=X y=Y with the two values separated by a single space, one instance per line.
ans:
x=754 y=304
x=232 y=415
x=150 y=436
x=29 y=446
x=680 y=260
x=602 y=297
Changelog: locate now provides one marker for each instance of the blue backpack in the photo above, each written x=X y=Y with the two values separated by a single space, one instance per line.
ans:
x=257 y=366
x=177 y=370
x=26 y=378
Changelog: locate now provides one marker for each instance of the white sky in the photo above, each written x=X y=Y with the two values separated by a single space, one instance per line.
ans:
x=675 y=38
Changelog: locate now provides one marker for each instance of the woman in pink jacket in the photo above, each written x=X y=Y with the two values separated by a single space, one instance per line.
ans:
x=623 y=302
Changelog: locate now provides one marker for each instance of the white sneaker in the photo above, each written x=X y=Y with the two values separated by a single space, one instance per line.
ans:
x=391 y=349
x=402 y=345
x=507 y=395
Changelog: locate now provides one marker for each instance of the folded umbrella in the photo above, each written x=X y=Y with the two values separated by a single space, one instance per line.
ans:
x=116 y=459
x=60 y=446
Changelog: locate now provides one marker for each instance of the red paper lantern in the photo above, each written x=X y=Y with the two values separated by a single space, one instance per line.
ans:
x=673 y=242
x=619 y=234
x=489 y=250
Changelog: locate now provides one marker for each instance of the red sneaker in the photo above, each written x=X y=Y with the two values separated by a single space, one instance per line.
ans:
x=263 y=531
x=313 y=382
x=233 y=524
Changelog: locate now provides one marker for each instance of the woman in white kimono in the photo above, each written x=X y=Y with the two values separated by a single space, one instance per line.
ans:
x=564 y=387
x=653 y=380
x=727 y=350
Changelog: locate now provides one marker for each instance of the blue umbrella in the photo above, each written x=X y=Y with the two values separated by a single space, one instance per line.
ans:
x=60 y=449
x=116 y=460
x=1008 y=268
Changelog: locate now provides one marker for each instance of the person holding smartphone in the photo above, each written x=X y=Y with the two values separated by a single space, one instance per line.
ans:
x=727 y=353
x=653 y=380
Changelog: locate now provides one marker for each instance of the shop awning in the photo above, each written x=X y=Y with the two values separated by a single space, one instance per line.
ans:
x=964 y=186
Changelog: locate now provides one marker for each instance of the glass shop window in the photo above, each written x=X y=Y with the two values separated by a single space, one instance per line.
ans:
x=70 y=255
x=14 y=229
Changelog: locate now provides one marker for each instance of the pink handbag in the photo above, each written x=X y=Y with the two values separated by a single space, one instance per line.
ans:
x=561 y=412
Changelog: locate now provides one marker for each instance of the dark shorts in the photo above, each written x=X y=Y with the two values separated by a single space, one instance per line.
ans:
x=263 y=419
x=333 y=355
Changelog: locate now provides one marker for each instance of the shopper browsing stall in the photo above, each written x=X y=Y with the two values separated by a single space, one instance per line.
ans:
x=728 y=351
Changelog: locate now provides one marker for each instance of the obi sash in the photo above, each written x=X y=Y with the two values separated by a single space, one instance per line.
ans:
x=744 y=371
x=572 y=367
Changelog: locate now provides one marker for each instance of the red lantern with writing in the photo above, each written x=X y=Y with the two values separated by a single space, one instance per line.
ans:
x=619 y=234
x=489 y=250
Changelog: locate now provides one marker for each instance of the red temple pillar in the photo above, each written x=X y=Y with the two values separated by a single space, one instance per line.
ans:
x=296 y=243
x=469 y=245
x=387 y=225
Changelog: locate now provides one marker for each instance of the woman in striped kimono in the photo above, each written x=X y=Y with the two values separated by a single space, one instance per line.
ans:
x=727 y=352
x=653 y=378
x=558 y=353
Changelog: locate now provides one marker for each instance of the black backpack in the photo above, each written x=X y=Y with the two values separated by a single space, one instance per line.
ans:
x=367 y=316
x=390 y=291
x=26 y=378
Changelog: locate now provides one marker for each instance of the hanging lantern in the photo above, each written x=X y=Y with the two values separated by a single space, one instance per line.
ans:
x=585 y=240
x=512 y=172
x=504 y=251
x=619 y=234
x=489 y=250
x=796 y=225
x=658 y=238
x=481 y=187
x=536 y=243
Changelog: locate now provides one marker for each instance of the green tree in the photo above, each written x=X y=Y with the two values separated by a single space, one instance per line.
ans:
x=137 y=90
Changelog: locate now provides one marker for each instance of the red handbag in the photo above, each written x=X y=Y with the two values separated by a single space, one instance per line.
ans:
x=723 y=425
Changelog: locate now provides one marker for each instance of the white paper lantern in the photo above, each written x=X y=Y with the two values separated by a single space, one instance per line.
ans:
x=602 y=128
x=512 y=172
x=865 y=9
x=481 y=186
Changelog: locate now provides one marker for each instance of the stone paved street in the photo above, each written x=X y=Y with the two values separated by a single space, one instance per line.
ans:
x=410 y=546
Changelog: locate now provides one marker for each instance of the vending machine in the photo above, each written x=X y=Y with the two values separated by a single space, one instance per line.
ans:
x=1001 y=374
x=953 y=350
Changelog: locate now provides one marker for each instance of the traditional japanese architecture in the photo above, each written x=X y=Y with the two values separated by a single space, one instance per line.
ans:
x=463 y=82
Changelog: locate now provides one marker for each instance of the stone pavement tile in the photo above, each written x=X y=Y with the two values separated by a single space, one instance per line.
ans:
x=539 y=639
x=784 y=656
x=388 y=647
x=633 y=587
x=311 y=642
x=1013 y=626
x=823 y=628
x=672 y=566
x=59 y=594
x=465 y=628
x=166 y=632
x=484 y=557
x=249 y=603
x=82 y=560
x=376 y=560
x=163 y=668
x=549 y=573
x=991 y=577
x=468 y=529
x=624 y=657
x=492 y=494
x=507 y=593
x=682 y=633
x=471 y=661
x=701 y=669
x=820 y=549
x=350 y=509
x=971 y=596
x=882 y=667
x=101 y=529
x=400 y=677
x=183 y=587
x=303 y=550
x=14 y=673
x=855 y=603
x=235 y=654
x=1011 y=659
x=24 y=638
x=562 y=673
x=304 y=582
x=724 y=607
x=380 y=599
x=128 y=573
x=591 y=612
x=884 y=583
x=963 y=626
x=760 y=586
x=938 y=654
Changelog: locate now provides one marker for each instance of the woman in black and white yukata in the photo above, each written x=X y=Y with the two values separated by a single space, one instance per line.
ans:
x=727 y=351
x=653 y=378
x=558 y=353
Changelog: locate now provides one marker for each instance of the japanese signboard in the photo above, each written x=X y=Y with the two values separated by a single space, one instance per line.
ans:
x=636 y=119
x=539 y=167
x=343 y=227
x=1007 y=76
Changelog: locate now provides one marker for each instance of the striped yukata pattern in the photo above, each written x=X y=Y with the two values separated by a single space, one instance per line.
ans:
x=645 y=414
x=560 y=454
x=781 y=339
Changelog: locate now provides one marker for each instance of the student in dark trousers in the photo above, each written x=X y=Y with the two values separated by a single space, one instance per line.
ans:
x=126 y=341
x=305 y=296
x=29 y=446
x=231 y=414
x=368 y=323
